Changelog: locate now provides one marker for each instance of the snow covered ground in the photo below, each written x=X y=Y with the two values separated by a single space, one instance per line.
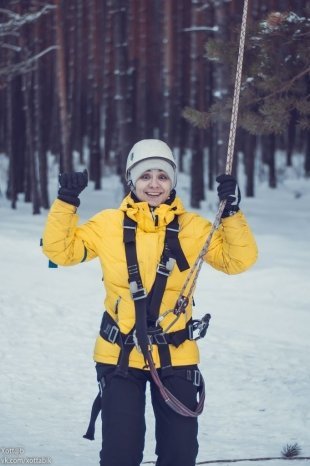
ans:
x=256 y=357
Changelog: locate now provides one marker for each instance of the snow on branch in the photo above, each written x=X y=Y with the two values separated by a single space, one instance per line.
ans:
x=201 y=28
x=285 y=87
x=25 y=65
x=11 y=24
x=17 y=21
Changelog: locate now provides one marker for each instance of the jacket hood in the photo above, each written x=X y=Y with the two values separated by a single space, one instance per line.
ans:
x=151 y=219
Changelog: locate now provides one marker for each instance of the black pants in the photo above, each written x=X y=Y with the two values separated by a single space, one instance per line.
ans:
x=123 y=420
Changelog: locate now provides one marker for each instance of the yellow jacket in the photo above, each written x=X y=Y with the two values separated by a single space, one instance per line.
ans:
x=232 y=250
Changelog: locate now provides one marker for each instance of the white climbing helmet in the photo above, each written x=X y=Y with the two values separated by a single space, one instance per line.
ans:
x=150 y=154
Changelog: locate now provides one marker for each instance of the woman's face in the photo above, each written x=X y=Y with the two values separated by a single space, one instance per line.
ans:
x=153 y=187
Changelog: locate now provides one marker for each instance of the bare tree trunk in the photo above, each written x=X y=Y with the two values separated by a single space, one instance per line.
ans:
x=269 y=145
x=66 y=159
x=209 y=78
x=222 y=86
x=249 y=160
x=31 y=172
x=32 y=154
x=3 y=120
x=167 y=75
x=70 y=21
x=38 y=119
x=291 y=137
x=184 y=67
x=196 y=135
x=94 y=101
x=11 y=188
x=49 y=100
x=133 y=27
x=307 y=155
x=11 y=192
x=141 y=72
x=15 y=122
x=121 y=77
x=179 y=101
x=131 y=87
x=109 y=123
x=77 y=116
x=155 y=63
x=19 y=136
x=89 y=31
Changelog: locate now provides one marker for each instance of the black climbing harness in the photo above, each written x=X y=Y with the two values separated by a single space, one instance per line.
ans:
x=147 y=331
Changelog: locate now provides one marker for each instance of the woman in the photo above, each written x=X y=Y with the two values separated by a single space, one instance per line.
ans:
x=146 y=248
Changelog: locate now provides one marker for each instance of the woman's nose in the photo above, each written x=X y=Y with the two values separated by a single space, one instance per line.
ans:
x=154 y=181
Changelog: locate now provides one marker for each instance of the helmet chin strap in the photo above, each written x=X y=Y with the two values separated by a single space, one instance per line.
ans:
x=130 y=185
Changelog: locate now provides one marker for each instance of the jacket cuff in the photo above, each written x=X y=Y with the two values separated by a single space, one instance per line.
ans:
x=73 y=200
x=230 y=212
x=64 y=206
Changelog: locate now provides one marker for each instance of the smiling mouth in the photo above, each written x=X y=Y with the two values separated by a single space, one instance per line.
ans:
x=153 y=194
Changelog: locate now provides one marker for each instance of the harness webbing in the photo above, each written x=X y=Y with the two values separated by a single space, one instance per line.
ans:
x=172 y=253
x=145 y=332
x=173 y=244
x=139 y=297
x=147 y=305
x=110 y=332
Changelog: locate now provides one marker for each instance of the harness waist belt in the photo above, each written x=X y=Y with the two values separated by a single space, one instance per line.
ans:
x=110 y=331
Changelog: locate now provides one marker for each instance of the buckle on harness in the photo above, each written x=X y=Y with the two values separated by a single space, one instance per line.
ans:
x=108 y=331
x=113 y=333
x=166 y=269
x=197 y=378
x=137 y=292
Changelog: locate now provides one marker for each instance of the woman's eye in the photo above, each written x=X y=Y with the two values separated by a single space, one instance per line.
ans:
x=147 y=177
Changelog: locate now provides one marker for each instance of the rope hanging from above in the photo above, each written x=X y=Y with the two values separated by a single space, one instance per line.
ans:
x=229 y=162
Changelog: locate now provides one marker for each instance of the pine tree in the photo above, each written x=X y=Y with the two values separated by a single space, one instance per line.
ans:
x=275 y=89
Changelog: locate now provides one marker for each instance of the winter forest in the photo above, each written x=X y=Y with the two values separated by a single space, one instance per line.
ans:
x=81 y=81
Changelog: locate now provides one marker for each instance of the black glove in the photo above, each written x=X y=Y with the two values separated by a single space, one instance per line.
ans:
x=228 y=189
x=71 y=185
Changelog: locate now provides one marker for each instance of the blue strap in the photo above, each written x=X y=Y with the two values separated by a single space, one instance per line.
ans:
x=52 y=265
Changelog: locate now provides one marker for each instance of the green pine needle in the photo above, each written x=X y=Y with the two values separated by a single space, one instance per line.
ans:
x=196 y=118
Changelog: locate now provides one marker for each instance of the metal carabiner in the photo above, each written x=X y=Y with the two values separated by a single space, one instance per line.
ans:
x=163 y=316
